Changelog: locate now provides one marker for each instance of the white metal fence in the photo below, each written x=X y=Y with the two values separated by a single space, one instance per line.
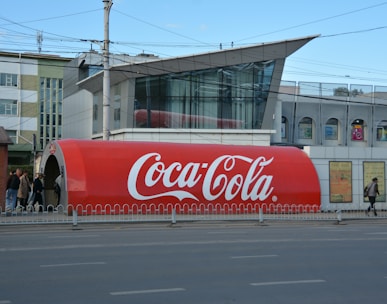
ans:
x=110 y=213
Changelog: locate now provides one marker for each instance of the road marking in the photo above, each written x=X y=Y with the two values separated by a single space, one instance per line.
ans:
x=375 y=233
x=287 y=282
x=72 y=236
x=72 y=264
x=226 y=232
x=255 y=256
x=5 y=302
x=183 y=243
x=342 y=230
x=145 y=291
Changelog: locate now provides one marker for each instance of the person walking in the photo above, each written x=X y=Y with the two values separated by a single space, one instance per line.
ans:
x=372 y=191
x=38 y=189
x=57 y=188
x=24 y=189
x=12 y=188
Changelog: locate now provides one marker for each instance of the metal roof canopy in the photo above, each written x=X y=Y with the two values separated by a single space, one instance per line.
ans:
x=221 y=58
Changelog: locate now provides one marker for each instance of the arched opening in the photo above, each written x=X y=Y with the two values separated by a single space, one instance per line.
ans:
x=306 y=131
x=51 y=172
x=357 y=130
x=381 y=134
x=332 y=132
x=331 y=129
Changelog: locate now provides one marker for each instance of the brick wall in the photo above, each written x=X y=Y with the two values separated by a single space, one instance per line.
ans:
x=3 y=174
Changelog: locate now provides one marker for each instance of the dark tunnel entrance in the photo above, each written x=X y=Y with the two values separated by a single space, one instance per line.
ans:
x=51 y=172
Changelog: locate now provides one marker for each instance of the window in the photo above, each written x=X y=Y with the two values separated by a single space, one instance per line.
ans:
x=59 y=132
x=12 y=135
x=94 y=69
x=117 y=114
x=95 y=112
x=331 y=129
x=284 y=126
x=381 y=134
x=357 y=133
x=117 y=118
x=60 y=106
x=8 y=107
x=117 y=106
x=8 y=80
x=60 y=90
x=305 y=128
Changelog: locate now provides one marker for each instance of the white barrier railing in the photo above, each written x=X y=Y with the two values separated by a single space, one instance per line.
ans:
x=174 y=213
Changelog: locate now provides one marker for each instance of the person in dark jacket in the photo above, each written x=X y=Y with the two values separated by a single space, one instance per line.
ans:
x=12 y=188
x=372 y=191
x=37 y=190
x=57 y=188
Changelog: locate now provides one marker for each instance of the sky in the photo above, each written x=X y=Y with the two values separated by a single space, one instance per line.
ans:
x=351 y=48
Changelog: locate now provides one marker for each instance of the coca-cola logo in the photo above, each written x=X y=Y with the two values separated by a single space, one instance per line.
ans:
x=221 y=179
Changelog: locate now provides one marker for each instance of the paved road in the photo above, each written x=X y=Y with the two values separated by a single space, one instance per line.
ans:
x=195 y=263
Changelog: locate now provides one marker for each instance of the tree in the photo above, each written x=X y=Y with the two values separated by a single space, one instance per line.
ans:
x=341 y=91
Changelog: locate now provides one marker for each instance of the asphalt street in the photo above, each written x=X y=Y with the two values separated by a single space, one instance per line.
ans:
x=195 y=263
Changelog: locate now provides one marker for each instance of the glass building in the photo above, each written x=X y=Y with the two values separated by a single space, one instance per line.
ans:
x=232 y=89
x=231 y=97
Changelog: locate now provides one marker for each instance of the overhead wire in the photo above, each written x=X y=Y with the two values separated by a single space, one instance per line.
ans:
x=314 y=21
x=202 y=44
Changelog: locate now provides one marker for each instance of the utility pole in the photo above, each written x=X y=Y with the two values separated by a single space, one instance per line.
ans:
x=106 y=72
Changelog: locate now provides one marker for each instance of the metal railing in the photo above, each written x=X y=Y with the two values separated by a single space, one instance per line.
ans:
x=110 y=213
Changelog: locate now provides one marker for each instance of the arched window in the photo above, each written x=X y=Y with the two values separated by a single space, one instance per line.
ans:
x=305 y=128
x=357 y=132
x=381 y=134
x=284 y=127
x=331 y=129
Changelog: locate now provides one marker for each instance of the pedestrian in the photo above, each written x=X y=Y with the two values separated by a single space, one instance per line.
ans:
x=371 y=191
x=57 y=188
x=24 y=189
x=12 y=189
x=8 y=182
x=38 y=189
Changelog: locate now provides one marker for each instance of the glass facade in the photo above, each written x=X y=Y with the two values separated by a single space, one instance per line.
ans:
x=50 y=108
x=231 y=97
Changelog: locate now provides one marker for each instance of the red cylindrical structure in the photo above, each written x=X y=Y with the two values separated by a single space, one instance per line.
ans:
x=123 y=172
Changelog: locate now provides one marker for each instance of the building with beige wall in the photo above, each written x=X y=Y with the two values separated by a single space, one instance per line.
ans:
x=31 y=93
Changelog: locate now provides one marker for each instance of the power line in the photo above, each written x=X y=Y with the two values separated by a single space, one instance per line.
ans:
x=200 y=43
x=161 y=28
x=354 y=32
x=53 y=18
x=314 y=21
x=21 y=24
